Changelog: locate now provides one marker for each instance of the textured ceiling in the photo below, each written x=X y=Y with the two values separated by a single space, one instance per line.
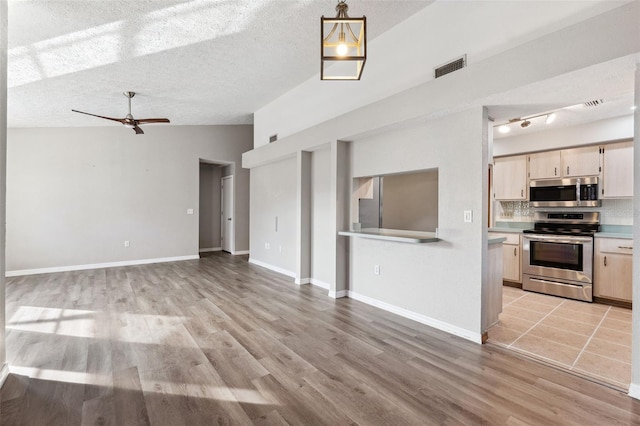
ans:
x=196 y=62
x=216 y=61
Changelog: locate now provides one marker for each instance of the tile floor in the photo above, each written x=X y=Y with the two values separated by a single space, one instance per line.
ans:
x=591 y=339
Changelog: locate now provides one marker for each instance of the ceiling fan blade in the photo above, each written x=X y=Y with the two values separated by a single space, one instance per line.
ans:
x=138 y=130
x=152 y=120
x=119 y=120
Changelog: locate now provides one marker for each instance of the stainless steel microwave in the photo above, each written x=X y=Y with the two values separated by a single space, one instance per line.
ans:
x=568 y=192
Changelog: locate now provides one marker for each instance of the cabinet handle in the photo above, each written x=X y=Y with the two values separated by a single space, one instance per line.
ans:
x=555 y=171
x=567 y=170
x=605 y=261
x=626 y=247
x=515 y=253
x=522 y=192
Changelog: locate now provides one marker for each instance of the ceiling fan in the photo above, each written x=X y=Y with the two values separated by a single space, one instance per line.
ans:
x=129 y=121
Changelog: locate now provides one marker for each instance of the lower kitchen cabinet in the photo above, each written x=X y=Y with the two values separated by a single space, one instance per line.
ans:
x=511 y=259
x=613 y=262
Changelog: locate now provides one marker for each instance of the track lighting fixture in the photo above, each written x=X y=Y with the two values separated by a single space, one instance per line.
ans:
x=525 y=122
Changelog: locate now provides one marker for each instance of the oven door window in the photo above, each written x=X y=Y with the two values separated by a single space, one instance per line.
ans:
x=556 y=255
x=552 y=193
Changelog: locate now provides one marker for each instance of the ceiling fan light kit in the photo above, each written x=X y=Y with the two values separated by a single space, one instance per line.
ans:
x=343 y=45
x=128 y=120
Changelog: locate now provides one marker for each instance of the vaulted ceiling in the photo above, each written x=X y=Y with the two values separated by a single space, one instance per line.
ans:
x=204 y=61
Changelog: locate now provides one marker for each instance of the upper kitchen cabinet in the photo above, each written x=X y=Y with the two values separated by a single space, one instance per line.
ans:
x=583 y=161
x=572 y=162
x=544 y=165
x=617 y=170
x=510 y=178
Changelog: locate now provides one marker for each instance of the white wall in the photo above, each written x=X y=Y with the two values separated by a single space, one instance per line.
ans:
x=210 y=199
x=74 y=195
x=441 y=281
x=3 y=151
x=273 y=195
x=611 y=129
x=321 y=236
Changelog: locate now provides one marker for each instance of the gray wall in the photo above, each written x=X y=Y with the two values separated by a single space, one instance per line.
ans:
x=210 y=199
x=441 y=281
x=273 y=195
x=321 y=236
x=410 y=201
x=74 y=195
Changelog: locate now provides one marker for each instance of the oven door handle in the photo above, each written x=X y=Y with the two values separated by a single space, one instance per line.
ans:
x=565 y=240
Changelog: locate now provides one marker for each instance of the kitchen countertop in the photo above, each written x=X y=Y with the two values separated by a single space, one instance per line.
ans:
x=414 y=237
x=506 y=230
x=623 y=235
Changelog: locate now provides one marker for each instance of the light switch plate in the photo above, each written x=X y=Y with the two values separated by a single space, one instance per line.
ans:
x=189 y=211
x=468 y=216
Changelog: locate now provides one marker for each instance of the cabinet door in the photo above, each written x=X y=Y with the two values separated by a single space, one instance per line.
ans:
x=613 y=265
x=510 y=178
x=617 y=170
x=511 y=262
x=544 y=165
x=583 y=161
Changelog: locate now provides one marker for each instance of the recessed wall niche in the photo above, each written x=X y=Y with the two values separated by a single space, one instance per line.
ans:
x=404 y=201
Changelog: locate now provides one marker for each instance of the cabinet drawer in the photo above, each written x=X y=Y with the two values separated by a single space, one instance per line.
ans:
x=511 y=238
x=614 y=245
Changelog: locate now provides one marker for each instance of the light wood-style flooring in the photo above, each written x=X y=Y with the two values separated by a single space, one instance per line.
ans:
x=220 y=341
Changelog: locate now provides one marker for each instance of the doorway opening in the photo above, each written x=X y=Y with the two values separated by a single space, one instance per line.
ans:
x=211 y=232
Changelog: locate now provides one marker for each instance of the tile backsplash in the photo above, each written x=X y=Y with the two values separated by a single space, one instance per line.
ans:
x=612 y=212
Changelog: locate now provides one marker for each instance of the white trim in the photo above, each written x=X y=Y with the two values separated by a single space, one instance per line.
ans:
x=303 y=281
x=4 y=373
x=208 y=250
x=634 y=391
x=338 y=294
x=231 y=238
x=98 y=265
x=273 y=268
x=239 y=252
x=320 y=284
x=423 y=319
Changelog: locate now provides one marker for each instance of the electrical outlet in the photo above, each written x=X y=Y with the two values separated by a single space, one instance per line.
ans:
x=267 y=246
x=280 y=248
x=189 y=211
x=468 y=216
x=126 y=243
x=376 y=269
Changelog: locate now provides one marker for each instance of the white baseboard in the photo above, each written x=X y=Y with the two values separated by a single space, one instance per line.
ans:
x=634 y=391
x=97 y=266
x=239 y=252
x=209 y=250
x=338 y=294
x=423 y=319
x=303 y=281
x=320 y=284
x=273 y=268
x=4 y=373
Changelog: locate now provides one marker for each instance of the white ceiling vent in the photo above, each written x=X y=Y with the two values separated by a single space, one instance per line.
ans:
x=450 y=67
x=594 y=103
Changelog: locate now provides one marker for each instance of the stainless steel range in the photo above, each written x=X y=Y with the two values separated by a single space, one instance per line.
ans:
x=558 y=254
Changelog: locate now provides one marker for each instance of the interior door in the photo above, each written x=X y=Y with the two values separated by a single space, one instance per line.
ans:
x=227 y=214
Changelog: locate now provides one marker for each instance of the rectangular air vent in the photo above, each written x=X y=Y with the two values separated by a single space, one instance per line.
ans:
x=450 y=67
x=594 y=103
x=273 y=138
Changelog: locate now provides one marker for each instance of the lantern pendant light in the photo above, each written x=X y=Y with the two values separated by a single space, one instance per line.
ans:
x=344 y=45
